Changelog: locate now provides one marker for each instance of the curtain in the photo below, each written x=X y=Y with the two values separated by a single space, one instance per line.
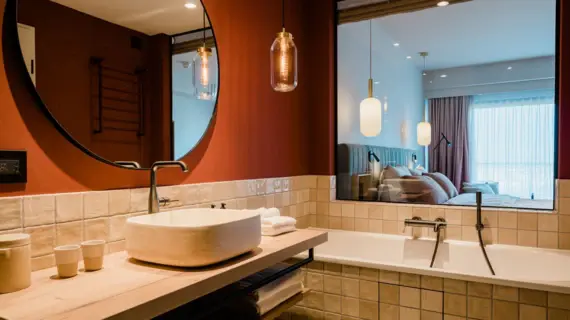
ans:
x=512 y=143
x=449 y=116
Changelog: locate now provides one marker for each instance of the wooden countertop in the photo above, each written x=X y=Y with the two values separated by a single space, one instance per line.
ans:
x=129 y=289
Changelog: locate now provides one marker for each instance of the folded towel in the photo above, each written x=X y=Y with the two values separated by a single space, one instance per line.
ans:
x=271 y=212
x=268 y=230
x=278 y=221
x=278 y=297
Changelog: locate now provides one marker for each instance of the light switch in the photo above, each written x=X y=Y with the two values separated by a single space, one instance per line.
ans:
x=13 y=166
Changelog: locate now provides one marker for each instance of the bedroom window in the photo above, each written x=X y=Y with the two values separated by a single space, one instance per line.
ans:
x=512 y=143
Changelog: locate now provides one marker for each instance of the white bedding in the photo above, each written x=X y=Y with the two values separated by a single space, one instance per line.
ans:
x=500 y=200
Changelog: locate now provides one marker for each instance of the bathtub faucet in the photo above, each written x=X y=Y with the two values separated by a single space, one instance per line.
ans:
x=436 y=224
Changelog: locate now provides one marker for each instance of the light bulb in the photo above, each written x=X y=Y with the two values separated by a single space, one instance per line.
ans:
x=283 y=60
x=204 y=70
x=283 y=63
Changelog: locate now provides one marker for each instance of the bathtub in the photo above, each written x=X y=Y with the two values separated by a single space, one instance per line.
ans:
x=522 y=267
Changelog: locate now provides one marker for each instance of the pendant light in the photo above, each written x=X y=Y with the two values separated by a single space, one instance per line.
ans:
x=283 y=59
x=203 y=79
x=370 y=108
x=424 y=127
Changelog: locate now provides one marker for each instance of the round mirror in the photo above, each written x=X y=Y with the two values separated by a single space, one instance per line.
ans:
x=130 y=82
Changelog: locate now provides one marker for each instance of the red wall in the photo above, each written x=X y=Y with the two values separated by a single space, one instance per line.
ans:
x=564 y=96
x=258 y=133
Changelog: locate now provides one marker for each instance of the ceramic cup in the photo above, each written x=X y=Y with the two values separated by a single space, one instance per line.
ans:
x=67 y=260
x=93 y=252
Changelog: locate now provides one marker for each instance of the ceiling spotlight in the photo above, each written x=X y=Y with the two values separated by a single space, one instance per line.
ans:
x=190 y=5
x=443 y=76
x=396 y=44
x=443 y=3
x=430 y=81
x=408 y=57
x=510 y=68
x=376 y=82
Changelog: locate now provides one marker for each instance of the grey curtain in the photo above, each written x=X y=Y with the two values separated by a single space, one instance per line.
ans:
x=449 y=116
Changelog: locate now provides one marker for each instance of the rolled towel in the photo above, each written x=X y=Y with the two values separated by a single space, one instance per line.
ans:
x=268 y=230
x=279 y=221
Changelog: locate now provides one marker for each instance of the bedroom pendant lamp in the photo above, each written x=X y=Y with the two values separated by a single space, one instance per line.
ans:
x=424 y=55
x=283 y=59
x=370 y=108
x=202 y=78
x=424 y=133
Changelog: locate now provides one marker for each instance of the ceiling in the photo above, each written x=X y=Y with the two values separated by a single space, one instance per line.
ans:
x=476 y=32
x=147 y=16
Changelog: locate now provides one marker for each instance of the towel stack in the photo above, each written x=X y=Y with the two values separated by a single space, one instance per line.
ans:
x=273 y=224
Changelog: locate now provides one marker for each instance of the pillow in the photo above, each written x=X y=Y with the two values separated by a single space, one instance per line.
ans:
x=444 y=182
x=395 y=172
x=474 y=188
x=426 y=188
x=415 y=172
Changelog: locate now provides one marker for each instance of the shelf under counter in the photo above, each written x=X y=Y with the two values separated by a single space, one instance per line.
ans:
x=129 y=289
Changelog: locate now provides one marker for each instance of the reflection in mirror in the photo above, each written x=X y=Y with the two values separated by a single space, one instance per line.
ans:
x=472 y=94
x=120 y=76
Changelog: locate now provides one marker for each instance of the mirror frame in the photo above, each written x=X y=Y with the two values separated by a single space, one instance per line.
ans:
x=13 y=53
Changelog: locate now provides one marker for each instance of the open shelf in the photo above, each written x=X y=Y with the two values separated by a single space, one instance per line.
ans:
x=285 y=305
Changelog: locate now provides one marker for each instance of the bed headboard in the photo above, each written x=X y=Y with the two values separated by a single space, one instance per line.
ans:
x=353 y=159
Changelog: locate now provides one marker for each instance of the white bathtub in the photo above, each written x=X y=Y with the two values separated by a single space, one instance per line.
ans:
x=531 y=268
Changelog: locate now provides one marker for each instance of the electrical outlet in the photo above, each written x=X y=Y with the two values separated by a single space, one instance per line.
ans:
x=13 y=166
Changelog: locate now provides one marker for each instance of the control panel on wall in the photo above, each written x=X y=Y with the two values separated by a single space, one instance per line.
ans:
x=27 y=35
x=13 y=166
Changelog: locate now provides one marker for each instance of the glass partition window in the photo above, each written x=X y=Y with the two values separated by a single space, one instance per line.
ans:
x=466 y=107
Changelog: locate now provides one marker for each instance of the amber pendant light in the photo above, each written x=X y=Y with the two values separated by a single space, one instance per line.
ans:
x=370 y=108
x=283 y=59
x=203 y=79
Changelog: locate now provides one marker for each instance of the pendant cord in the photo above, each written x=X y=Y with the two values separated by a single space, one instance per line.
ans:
x=204 y=24
x=283 y=14
x=370 y=49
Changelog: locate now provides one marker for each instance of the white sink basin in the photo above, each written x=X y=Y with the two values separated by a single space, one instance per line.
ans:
x=192 y=237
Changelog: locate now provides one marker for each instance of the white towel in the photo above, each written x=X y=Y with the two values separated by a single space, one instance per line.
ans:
x=271 y=212
x=278 y=221
x=268 y=230
x=284 y=293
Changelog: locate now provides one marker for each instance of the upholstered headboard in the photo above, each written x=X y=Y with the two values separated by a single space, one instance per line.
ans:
x=353 y=159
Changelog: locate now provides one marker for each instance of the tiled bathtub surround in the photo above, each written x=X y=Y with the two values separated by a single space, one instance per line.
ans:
x=54 y=220
x=349 y=292
x=504 y=226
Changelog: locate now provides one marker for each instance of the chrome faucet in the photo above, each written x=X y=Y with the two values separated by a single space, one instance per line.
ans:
x=437 y=224
x=153 y=202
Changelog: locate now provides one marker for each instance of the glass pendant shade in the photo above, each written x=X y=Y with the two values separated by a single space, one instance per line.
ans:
x=370 y=117
x=203 y=77
x=284 y=63
x=424 y=133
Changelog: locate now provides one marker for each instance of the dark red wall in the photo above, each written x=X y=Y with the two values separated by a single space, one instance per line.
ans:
x=257 y=133
x=564 y=93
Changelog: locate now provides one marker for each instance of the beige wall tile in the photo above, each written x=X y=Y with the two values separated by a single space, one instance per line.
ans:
x=335 y=223
x=410 y=297
x=469 y=233
x=389 y=227
x=350 y=287
x=116 y=246
x=564 y=188
x=96 y=229
x=508 y=220
x=368 y=274
x=453 y=232
x=335 y=209
x=368 y=310
x=564 y=223
x=390 y=212
x=332 y=303
x=315 y=281
x=323 y=195
x=95 y=204
x=376 y=226
x=453 y=216
x=455 y=286
x=333 y=269
x=361 y=225
x=450 y=317
x=533 y=297
x=389 y=293
x=347 y=224
x=375 y=212
x=327 y=316
x=409 y=314
x=435 y=212
x=361 y=211
x=42 y=238
x=39 y=210
x=69 y=207
x=505 y=293
x=527 y=221
x=410 y=280
x=482 y=290
x=347 y=210
x=350 y=271
x=323 y=208
x=321 y=221
x=528 y=312
x=43 y=262
x=350 y=306
x=548 y=240
x=564 y=205
x=527 y=238
x=69 y=233
x=548 y=222
x=404 y=212
x=505 y=310
x=368 y=290
x=432 y=283
x=564 y=241
x=117 y=226
x=455 y=304
x=389 y=311
x=391 y=277
x=558 y=314
x=315 y=300
x=479 y=308
x=559 y=300
x=139 y=199
x=422 y=212
x=332 y=284
x=490 y=218
x=316 y=266
x=10 y=213
x=508 y=236
x=432 y=300
x=469 y=217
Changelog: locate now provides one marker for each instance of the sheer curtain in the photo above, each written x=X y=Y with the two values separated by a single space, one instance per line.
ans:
x=512 y=142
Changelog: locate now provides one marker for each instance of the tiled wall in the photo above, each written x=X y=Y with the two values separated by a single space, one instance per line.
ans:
x=69 y=218
x=504 y=226
x=348 y=292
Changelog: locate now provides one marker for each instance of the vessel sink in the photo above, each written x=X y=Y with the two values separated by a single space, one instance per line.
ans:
x=192 y=237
